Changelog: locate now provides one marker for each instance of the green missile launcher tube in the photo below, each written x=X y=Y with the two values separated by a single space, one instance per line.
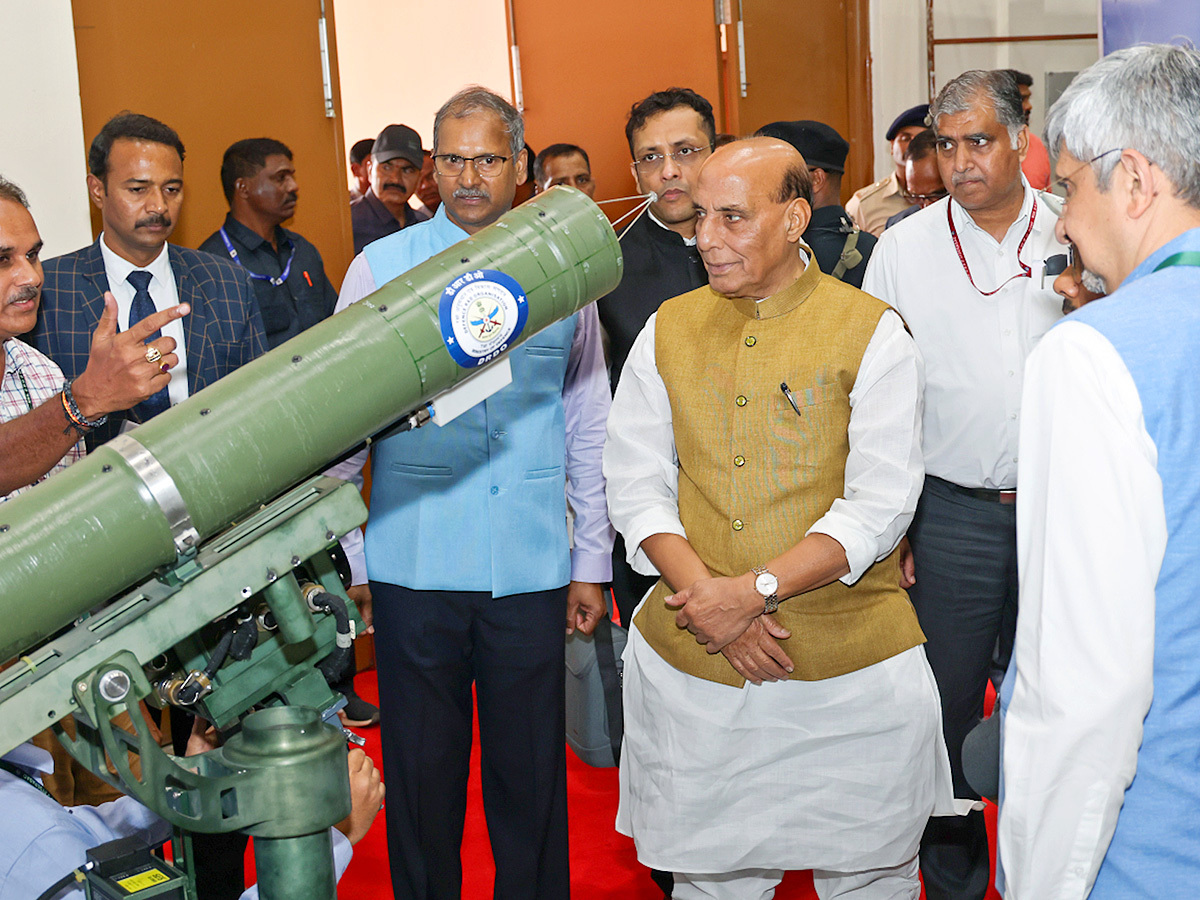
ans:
x=145 y=499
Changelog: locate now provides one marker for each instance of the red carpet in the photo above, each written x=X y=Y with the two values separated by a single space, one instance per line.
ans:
x=603 y=863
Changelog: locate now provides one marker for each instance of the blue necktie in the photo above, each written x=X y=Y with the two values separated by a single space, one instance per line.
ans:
x=143 y=305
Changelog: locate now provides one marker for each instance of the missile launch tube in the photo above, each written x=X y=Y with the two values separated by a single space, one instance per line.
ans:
x=131 y=506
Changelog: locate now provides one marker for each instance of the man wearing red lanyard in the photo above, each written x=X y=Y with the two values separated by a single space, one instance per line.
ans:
x=967 y=276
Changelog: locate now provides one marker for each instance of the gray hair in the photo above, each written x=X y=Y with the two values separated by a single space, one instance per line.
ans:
x=1146 y=98
x=474 y=99
x=997 y=86
x=9 y=191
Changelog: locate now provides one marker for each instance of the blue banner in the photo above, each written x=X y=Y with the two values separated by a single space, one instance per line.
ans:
x=1128 y=22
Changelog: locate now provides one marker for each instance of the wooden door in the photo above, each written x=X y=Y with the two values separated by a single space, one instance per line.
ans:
x=802 y=59
x=219 y=71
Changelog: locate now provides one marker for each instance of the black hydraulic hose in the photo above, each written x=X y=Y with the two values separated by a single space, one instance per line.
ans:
x=74 y=875
x=333 y=665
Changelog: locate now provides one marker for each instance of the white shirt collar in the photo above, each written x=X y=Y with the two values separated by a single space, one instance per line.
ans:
x=963 y=219
x=118 y=268
x=691 y=242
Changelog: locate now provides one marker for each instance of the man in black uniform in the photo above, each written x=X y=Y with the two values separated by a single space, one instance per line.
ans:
x=842 y=250
x=259 y=180
x=670 y=133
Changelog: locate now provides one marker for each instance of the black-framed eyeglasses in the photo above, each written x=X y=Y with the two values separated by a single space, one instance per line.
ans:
x=488 y=164
x=653 y=162
x=925 y=199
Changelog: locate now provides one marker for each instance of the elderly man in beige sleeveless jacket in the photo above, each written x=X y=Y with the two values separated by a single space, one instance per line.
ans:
x=764 y=459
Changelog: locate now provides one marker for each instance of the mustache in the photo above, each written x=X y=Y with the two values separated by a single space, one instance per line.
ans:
x=393 y=186
x=292 y=196
x=465 y=193
x=160 y=219
x=23 y=294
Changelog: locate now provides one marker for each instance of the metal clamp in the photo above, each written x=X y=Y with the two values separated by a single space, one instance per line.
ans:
x=161 y=489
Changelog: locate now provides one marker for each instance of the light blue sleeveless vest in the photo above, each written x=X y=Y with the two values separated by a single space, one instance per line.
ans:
x=1154 y=323
x=478 y=504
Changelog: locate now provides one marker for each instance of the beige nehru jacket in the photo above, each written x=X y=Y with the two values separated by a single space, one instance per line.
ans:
x=754 y=476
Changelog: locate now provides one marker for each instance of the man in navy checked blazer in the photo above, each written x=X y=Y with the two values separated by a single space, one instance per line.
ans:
x=136 y=180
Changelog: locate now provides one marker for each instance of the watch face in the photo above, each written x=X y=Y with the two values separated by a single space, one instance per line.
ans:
x=766 y=584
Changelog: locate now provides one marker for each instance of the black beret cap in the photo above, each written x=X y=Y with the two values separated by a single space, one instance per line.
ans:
x=820 y=145
x=915 y=115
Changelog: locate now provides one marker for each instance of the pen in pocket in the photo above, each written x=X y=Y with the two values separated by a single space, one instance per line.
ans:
x=790 y=399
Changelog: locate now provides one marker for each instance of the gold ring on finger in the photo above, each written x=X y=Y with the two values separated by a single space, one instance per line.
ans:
x=153 y=355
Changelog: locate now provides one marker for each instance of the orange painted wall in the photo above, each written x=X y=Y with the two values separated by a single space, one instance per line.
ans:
x=584 y=65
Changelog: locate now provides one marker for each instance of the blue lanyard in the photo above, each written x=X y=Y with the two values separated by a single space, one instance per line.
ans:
x=287 y=270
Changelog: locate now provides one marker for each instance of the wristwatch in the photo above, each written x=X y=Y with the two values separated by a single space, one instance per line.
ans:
x=767 y=585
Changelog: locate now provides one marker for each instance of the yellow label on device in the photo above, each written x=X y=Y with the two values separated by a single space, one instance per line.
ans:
x=143 y=880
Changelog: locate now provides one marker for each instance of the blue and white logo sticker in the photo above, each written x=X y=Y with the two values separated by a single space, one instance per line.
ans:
x=481 y=313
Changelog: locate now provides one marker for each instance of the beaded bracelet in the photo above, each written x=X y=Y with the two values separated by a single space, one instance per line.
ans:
x=75 y=419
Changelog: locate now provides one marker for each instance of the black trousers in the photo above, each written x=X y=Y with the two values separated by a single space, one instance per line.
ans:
x=429 y=648
x=965 y=553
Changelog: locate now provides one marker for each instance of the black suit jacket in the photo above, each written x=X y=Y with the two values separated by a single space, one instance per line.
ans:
x=224 y=330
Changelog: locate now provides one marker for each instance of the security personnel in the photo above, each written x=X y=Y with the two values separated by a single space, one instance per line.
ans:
x=841 y=248
x=872 y=206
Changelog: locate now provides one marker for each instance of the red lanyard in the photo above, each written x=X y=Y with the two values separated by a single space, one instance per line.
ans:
x=1026 y=272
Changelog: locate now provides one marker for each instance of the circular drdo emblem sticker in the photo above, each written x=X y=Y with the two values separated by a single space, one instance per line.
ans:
x=481 y=314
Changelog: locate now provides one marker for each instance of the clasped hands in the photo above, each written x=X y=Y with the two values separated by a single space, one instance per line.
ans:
x=726 y=615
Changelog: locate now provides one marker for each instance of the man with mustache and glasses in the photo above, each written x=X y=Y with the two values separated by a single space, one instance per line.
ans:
x=966 y=274
x=259 y=180
x=39 y=431
x=467 y=566
x=395 y=170
x=136 y=181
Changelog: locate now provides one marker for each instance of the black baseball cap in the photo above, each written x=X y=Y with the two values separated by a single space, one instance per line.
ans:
x=820 y=145
x=398 y=141
x=915 y=115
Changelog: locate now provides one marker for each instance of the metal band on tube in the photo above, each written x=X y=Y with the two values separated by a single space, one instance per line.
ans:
x=162 y=490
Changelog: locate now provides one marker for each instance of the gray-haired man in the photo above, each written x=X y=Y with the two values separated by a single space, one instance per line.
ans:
x=1100 y=783
x=966 y=275
x=467 y=557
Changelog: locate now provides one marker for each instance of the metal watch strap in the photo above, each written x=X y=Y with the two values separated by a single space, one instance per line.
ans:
x=770 y=601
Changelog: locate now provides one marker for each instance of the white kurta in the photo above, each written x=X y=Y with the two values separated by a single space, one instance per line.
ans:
x=1089 y=486
x=839 y=774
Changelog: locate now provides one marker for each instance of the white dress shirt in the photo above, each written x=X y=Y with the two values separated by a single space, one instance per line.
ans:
x=165 y=294
x=974 y=346
x=1085 y=638
x=884 y=473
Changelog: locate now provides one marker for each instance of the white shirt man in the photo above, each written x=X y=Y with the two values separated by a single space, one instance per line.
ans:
x=966 y=276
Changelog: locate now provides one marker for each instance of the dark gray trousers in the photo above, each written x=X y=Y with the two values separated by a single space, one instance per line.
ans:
x=965 y=553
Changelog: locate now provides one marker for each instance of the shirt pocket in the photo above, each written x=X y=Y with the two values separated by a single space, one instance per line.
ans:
x=417 y=471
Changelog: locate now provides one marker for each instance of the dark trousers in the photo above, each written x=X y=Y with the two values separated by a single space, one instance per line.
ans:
x=965 y=553
x=429 y=648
